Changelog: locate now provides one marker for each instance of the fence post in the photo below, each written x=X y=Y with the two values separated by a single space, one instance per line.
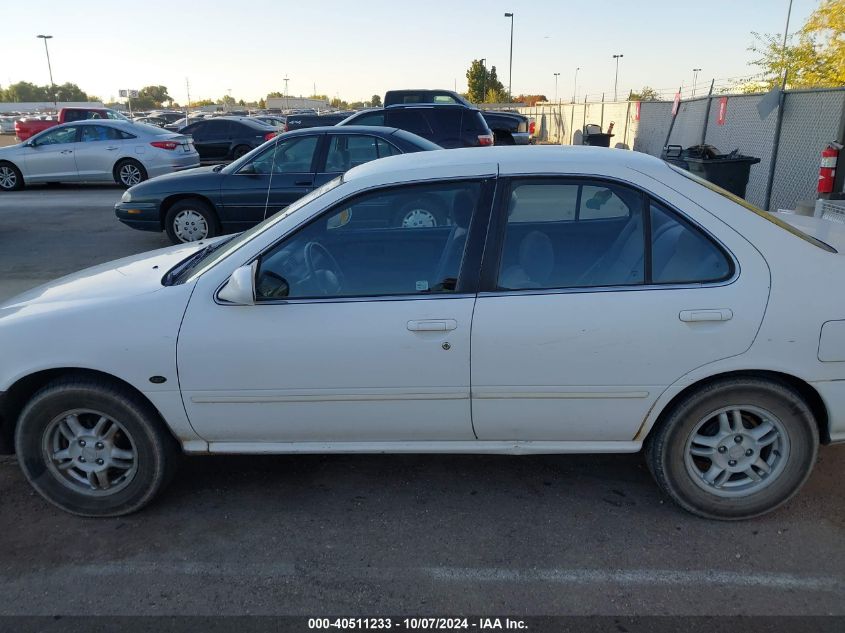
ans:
x=775 y=147
x=572 y=125
x=707 y=113
x=601 y=123
x=627 y=119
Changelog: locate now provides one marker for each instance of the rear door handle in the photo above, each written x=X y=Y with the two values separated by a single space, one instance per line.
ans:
x=690 y=316
x=67 y=151
x=303 y=183
x=112 y=148
x=432 y=325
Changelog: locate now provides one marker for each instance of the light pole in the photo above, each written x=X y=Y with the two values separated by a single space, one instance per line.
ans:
x=49 y=68
x=556 y=76
x=616 y=80
x=483 y=79
x=229 y=101
x=286 y=93
x=575 y=85
x=695 y=72
x=510 y=65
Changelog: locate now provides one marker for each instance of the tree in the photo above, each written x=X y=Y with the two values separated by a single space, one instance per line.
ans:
x=814 y=58
x=26 y=91
x=262 y=104
x=375 y=101
x=150 y=97
x=646 y=94
x=483 y=83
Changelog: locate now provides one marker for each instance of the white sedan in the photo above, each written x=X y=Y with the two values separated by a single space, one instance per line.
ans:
x=101 y=150
x=580 y=300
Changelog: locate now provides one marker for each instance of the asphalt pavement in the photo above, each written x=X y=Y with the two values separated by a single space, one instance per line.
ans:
x=412 y=534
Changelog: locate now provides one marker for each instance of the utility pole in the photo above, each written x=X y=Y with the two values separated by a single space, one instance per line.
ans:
x=510 y=65
x=50 y=69
x=616 y=80
x=575 y=85
x=287 y=107
x=483 y=79
x=556 y=76
x=188 y=106
x=695 y=72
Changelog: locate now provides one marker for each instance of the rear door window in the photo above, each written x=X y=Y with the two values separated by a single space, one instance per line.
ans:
x=411 y=119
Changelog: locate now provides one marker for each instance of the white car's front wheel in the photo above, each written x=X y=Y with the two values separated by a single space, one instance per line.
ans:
x=735 y=449
x=94 y=448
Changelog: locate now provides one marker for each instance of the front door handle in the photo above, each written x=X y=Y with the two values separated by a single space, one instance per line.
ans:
x=112 y=148
x=432 y=325
x=691 y=316
x=67 y=151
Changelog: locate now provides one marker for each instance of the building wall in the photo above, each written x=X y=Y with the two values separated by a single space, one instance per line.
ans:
x=284 y=103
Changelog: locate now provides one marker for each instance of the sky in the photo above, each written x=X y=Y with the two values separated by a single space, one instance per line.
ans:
x=356 y=48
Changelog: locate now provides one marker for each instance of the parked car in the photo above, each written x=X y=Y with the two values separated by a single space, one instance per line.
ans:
x=509 y=128
x=205 y=202
x=302 y=120
x=150 y=120
x=28 y=127
x=95 y=151
x=227 y=138
x=449 y=126
x=277 y=122
x=170 y=116
x=583 y=301
x=7 y=124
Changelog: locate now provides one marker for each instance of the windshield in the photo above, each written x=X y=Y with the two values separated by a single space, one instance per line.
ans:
x=754 y=209
x=204 y=259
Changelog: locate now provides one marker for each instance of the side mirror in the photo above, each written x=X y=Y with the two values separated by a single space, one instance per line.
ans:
x=247 y=169
x=240 y=288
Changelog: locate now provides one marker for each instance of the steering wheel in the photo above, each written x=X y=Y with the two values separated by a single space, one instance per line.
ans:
x=323 y=268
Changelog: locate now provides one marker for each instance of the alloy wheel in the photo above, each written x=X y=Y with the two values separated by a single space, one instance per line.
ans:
x=8 y=177
x=89 y=452
x=129 y=174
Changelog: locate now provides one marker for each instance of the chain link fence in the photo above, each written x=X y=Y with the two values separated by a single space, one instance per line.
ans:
x=811 y=119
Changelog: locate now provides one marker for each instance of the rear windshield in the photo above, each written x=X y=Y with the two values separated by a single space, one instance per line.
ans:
x=771 y=217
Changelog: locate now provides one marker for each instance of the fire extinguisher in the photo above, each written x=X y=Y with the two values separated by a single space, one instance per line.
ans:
x=827 y=169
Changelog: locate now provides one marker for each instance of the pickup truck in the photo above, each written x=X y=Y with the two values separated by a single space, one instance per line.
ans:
x=29 y=126
x=509 y=128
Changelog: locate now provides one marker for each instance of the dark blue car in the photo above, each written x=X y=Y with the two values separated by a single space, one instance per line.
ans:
x=208 y=201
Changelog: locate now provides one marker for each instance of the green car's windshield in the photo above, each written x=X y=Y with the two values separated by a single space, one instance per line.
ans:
x=756 y=210
x=202 y=260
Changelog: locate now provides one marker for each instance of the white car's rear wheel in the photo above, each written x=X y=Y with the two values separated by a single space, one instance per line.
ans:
x=735 y=449
x=94 y=448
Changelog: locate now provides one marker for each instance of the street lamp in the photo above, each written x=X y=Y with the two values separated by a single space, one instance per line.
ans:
x=49 y=68
x=510 y=65
x=695 y=72
x=616 y=80
x=556 y=76
x=575 y=85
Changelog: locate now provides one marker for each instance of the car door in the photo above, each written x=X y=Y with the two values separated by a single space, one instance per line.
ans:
x=97 y=152
x=596 y=298
x=281 y=174
x=51 y=156
x=358 y=334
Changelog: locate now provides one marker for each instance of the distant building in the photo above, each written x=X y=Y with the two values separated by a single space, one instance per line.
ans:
x=298 y=103
x=46 y=106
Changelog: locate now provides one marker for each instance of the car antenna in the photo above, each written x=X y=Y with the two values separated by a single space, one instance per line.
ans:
x=272 y=169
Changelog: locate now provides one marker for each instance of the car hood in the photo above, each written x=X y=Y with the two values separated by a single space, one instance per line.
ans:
x=196 y=178
x=110 y=282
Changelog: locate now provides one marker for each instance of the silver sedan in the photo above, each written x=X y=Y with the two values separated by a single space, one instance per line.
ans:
x=96 y=151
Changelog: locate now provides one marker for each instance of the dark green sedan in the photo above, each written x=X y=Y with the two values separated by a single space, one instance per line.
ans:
x=201 y=203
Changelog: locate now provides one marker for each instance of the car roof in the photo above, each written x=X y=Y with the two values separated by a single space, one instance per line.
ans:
x=474 y=161
x=379 y=130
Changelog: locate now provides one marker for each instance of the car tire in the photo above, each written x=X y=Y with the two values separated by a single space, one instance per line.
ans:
x=699 y=452
x=11 y=178
x=132 y=458
x=190 y=220
x=241 y=150
x=421 y=212
x=129 y=172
